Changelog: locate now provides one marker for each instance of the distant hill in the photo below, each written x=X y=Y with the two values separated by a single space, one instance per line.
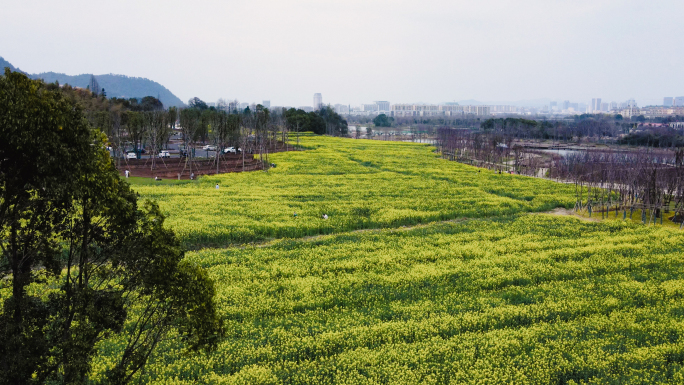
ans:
x=120 y=86
x=4 y=63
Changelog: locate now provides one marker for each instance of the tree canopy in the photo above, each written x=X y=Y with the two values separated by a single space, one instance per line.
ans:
x=80 y=259
x=382 y=121
x=323 y=121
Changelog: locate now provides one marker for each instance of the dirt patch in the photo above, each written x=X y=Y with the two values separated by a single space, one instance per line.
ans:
x=564 y=211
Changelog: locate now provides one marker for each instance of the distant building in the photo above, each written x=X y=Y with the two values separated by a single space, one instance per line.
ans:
x=604 y=106
x=679 y=101
x=566 y=105
x=306 y=108
x=369 y=107
x=437 y=110
x=266 y=103
x=596 y=104
x=631 y=103
x=244 y=105
x=553 y=106
x=503 y=109
x=341 y=109
x=613 y=106
x=668 y=101
x=318 y=101
x=383 y=105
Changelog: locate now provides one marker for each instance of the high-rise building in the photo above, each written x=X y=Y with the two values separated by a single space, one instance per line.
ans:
x=318 y=102
x=631 y=103
x=369 y=107
x=244 y=105
x=668 y=101
x=266 y=103
x=553 y=106
x=566 y=104
x=604 y=106
x=383 y=105
x=679 y=101
x=613 y=105
x=596 y=104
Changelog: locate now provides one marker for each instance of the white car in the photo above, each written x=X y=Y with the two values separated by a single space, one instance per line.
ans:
x=209 y=147
x=131 y=155
x=164 y=154
x=229 y=149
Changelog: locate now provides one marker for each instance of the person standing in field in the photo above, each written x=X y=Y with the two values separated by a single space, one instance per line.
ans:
x=217 y=186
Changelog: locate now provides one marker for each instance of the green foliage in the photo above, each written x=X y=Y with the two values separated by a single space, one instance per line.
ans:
x=79 y=258
x=119 y=86
x=654 y=138
x=198 y=104
x=324 y=121
x=382 y=121
x=334 y=123
x=148 y=103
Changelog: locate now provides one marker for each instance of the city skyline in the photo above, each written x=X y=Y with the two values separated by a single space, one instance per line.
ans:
x=425 y=55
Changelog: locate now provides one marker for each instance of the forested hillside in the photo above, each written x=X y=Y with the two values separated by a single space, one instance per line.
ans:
x=120 y=86
x=4 y=63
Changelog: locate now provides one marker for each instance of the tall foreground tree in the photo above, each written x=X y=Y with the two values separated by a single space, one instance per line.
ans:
x=80 y=260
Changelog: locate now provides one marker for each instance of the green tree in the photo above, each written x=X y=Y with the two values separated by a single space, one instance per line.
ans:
x=334 y=124
x=197 y=103
x=96 y=264
x=382 y=121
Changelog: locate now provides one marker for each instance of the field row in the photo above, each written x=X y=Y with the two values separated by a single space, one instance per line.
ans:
x=531 y=299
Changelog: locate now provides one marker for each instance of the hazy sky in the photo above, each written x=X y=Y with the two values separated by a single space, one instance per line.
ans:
x=357 y=51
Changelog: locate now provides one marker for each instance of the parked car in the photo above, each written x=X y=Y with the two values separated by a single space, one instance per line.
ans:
x=131 y=155
x=209 y=147
x=229 y=150
x=164 y=154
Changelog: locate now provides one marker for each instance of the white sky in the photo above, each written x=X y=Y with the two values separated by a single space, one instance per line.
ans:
x=356 y=51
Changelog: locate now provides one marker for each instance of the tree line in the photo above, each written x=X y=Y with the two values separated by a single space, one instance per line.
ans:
x=141 y=125
x=645 y=179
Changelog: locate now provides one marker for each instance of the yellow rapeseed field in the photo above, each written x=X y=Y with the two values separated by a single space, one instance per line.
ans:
x=533 y=299
x=359 y=184
x=495 y=296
